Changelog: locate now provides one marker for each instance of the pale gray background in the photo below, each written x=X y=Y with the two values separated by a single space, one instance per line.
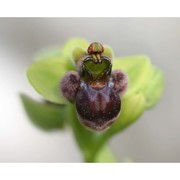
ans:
x=155 y=137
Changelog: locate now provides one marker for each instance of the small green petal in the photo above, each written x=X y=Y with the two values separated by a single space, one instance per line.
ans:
x=77 y=54
x=137 y=69
x=45 y=115
x=108 y=51
x=45 y=77
x=154 y=87
x=72 y=44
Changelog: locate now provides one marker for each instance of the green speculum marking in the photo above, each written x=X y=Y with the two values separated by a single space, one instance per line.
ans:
x=97 y=70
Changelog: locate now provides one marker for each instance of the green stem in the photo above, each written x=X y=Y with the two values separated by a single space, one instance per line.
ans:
x=105 y=154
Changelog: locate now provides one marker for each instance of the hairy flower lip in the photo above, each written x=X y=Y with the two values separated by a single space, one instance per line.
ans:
x=97 y=109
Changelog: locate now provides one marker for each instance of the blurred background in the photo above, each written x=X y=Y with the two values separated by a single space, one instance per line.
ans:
x=155 y=137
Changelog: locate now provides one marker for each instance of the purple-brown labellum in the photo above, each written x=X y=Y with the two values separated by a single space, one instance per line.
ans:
x=97 y=110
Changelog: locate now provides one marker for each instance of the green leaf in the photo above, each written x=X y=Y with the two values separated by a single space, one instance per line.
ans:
x=154 y=88
x=137 y=69
x=45 y=77
x=45 y=115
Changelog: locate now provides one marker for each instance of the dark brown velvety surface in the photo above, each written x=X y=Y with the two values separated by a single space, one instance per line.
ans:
x=97 y=109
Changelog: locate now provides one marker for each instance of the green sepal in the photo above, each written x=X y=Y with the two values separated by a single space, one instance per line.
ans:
x=132 y=108
x=154 y=87
x=45 y=115
x=137 y=69
x=45 y=77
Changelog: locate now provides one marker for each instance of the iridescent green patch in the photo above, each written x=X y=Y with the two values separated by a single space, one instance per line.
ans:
x=97 y=70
